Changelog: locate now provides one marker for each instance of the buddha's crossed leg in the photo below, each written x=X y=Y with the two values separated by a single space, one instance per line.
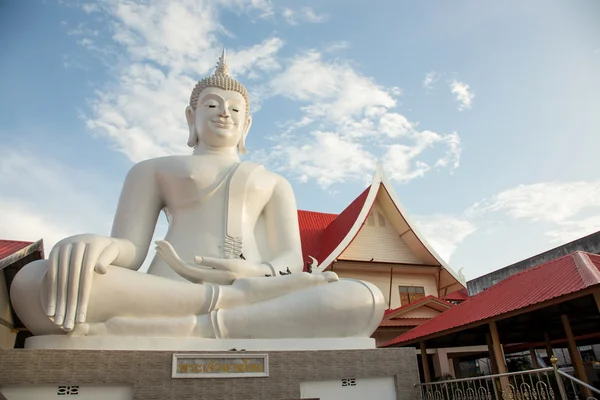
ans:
x=125 y=302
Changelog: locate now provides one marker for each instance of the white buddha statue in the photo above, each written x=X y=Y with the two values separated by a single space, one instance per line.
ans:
x=230 y=265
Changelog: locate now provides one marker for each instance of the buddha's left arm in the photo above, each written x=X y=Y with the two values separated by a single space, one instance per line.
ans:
x=283 y=232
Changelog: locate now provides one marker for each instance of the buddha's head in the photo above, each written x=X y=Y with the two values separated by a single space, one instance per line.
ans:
x=219 y=111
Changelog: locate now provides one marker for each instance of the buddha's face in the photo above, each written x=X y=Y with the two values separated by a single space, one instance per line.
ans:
x=220 y=118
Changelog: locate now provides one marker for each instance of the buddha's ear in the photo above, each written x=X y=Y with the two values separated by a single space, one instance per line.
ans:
x=242 y=143
x=190 y=117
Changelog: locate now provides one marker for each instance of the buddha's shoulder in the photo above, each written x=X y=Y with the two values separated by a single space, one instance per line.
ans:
x=158 y=163
x=273 y=177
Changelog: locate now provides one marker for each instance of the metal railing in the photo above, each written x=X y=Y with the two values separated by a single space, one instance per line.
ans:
x=537 y=384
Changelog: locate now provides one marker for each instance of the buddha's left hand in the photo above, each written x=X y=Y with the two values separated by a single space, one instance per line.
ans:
x=240 y=267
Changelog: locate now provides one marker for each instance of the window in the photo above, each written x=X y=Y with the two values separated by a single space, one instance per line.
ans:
x=410 y=294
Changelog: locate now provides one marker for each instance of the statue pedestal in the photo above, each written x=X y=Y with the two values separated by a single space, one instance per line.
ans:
x=40 y=374
x=65 y=342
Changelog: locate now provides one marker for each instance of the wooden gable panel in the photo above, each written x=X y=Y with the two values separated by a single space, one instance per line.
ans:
x=379 y=240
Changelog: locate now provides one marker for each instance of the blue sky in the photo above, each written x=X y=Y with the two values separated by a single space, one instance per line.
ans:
x=486 y=116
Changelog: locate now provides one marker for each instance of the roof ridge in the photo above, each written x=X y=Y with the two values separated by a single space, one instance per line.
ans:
x=318 y=212
x=586 y=269
x=524 y=271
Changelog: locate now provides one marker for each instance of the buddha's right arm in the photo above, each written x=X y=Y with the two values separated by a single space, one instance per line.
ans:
x=136 y=216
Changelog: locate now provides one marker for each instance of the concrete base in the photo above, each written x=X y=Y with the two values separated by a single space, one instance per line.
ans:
x=193 y=344
x=148 y=374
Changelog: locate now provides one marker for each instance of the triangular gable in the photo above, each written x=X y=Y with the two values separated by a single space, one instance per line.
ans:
x=343 y=231
x=379 y=241
x=428 y=305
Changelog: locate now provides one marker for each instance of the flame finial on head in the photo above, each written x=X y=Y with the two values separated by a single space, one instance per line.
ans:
x=222 y=68
x=222 y=80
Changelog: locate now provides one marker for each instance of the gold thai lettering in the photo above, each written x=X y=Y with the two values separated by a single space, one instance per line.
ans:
x=224 y=366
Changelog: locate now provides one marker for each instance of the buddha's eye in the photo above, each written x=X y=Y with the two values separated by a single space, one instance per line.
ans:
x=235 y=109
x=212 y=106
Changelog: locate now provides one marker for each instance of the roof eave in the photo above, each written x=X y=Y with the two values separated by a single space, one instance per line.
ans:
x=24 y=252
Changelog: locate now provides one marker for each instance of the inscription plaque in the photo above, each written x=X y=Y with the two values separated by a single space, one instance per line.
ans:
x=220 y=365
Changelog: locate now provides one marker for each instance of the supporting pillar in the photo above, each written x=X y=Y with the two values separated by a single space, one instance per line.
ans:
x=425 y=361
x=497 y=346
x=597 y=298
x=549 y=351
x=457 y=370
x=534 y=360
x=500 y=360
x=493 y=362
x=575 y=354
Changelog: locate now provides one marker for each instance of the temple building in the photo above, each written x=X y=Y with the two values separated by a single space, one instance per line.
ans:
x=374 y=240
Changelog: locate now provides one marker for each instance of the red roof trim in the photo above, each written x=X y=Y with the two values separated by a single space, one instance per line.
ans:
x=415 y=304
x=337 y=230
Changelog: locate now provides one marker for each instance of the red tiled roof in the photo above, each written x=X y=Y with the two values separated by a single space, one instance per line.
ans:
x=565 y=275
x=321 y=233
x=312 y=225
x=459 y=295
x=339 y=228
x=8 y=247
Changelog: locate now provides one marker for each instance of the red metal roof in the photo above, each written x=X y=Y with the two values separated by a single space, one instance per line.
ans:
x=565 y=275
x=459 y=295
x=8 y=247
x=404 y=322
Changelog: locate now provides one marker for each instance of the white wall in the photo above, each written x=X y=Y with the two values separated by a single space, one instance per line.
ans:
x=98 y=392
x=365 y=272
x=366 y=388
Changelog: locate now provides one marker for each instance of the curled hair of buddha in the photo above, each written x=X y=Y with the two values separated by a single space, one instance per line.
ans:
x=222 y=80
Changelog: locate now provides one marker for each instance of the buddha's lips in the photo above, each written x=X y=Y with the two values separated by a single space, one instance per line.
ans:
x=223 y=124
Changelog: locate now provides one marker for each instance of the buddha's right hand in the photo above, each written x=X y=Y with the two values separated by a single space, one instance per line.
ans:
x=72 y=263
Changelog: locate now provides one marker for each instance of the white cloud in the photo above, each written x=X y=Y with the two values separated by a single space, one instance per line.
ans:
x=445 y=232
x=41 y=198
x=44 y=199
x=327 y=158
x=564 y=211
x=28 y=224
x=464 y=95
x=304 y=14
x=360 y=114
x=430 y=78
x=165 y=46
x=547 y=201
x=568 y=231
